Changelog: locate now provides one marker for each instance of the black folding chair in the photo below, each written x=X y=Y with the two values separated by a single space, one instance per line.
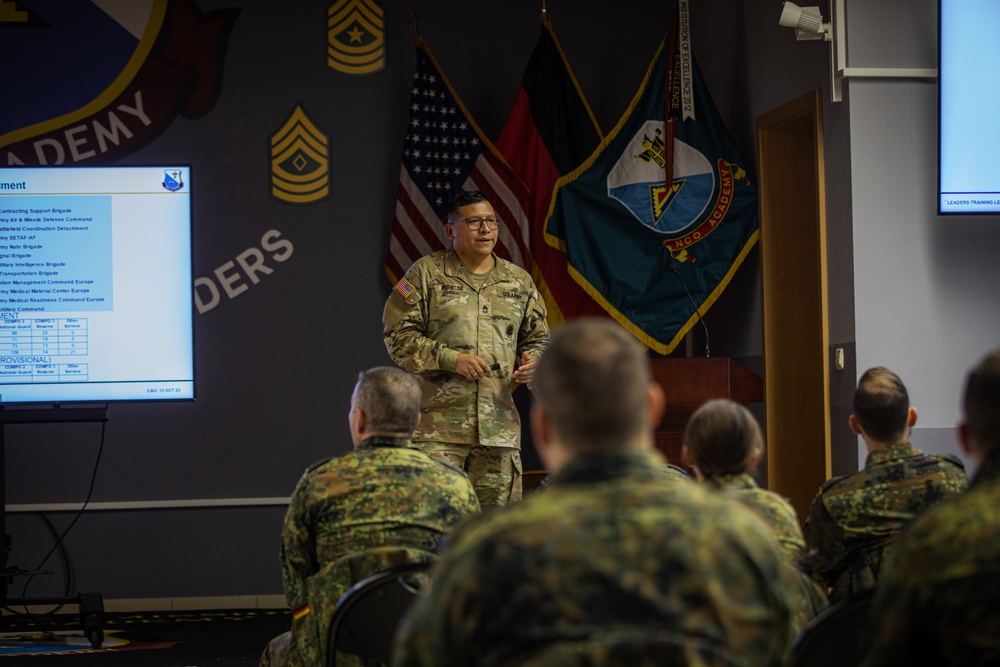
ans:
x=365 y=619
x=832 y=637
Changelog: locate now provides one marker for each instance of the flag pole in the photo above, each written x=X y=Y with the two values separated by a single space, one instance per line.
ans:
x=669 y=131
x=415 y=25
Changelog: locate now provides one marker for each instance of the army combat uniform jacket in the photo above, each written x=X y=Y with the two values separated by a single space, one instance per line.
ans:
x=438 y=311
x=938 y=600
x=351 y=516
x=856 y=517
x=614 y=564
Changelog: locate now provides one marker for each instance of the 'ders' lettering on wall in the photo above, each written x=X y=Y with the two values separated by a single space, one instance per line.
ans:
x=231 y=278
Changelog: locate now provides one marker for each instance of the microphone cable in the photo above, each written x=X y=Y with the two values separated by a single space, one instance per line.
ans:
x=673 y=270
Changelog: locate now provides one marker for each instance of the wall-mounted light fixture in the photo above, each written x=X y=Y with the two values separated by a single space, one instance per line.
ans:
x=808 y=24
x=807 y=21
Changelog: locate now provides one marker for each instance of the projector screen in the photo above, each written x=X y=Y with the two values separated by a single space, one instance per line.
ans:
x=96 y=290
x=968 y=99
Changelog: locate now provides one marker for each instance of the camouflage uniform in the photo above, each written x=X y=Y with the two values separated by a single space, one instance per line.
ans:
x=856 y=517
x=938 y=601
x=668 y=470
x=382 y=504
x=438 y=311
x=614 y=564
x=673 y=472
x=778 y=511
x=781 y=516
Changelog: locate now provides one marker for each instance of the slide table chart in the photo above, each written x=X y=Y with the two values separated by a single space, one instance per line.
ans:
x=27 y=348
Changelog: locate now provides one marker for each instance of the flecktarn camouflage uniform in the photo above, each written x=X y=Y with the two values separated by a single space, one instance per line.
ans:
x=614 y=564
x=778 y=511
x=781 y=517
x=382 y=504
x=667 y=470
x=938 y=600
x=437 y=311
x=857 y=517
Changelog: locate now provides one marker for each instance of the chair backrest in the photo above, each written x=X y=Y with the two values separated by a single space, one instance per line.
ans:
x=365 y=619
x=831 y=638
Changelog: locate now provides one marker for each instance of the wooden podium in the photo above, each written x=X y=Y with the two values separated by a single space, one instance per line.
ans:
x=688 y=382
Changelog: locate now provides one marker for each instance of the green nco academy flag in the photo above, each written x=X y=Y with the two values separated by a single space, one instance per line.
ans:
x=624 y=230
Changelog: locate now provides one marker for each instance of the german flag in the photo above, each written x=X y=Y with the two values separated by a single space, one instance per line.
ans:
x=549 y=132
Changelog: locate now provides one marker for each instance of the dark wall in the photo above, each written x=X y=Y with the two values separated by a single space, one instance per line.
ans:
x=276 y=361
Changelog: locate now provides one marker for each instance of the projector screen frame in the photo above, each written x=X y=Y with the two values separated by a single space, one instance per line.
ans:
x=142 y=229
x=961 y=89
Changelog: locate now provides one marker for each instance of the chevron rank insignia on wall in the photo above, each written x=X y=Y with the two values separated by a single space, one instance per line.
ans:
x=355 y=37
x=300 y=161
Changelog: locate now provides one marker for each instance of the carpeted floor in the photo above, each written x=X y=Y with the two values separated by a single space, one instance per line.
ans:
x=228 y=638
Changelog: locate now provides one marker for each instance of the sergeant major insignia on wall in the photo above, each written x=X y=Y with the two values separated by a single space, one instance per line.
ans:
x=355 y=37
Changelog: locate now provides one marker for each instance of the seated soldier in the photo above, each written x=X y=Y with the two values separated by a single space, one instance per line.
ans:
x=722 y=446
x=855 y=518
x=383 y=503
x=938 y=600
x=615 y=563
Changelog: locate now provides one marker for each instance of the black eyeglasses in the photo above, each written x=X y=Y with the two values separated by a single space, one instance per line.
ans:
x=475 y=224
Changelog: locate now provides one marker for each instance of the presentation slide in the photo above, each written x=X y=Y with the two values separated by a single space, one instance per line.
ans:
x=969 y=89
x=96 y=302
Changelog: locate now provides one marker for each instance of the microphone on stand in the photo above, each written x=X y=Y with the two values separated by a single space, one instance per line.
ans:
x=673 y=270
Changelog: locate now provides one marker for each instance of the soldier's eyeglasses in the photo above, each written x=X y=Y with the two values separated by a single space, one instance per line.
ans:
x=475 y=223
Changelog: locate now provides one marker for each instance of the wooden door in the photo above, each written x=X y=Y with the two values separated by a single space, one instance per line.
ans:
x=794 y=298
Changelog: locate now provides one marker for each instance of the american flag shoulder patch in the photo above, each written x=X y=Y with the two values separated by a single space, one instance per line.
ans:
x=404 y=288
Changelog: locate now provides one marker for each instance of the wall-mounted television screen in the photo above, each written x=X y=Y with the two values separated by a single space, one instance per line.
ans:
x=968 y=99
x=96 y=299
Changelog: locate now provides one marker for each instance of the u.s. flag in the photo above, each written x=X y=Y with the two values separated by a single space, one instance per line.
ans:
x=445 y=152
x=404 y=287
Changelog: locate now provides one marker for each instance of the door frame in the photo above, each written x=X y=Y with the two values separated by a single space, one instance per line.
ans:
x=794 y=298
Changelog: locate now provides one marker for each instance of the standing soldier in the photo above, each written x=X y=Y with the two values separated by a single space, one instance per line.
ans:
x=469 y=324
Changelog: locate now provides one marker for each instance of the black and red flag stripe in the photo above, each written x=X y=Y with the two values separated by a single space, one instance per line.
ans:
x=549 y=133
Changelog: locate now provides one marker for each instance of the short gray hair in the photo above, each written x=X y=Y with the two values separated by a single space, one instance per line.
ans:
x=390 y=397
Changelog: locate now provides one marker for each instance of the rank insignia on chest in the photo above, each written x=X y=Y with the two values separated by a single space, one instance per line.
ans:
x=509 y=331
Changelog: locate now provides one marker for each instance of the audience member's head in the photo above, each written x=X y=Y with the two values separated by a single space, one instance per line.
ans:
x=980 y=432
x=721 y=438
x=882 y=413
x=386 y=402
x=593 y=393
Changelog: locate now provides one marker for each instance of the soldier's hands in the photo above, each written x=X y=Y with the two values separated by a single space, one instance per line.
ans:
x=472 y=367
x=526 y=371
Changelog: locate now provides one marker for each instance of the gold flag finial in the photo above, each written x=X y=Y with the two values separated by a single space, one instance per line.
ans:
x=415 y=23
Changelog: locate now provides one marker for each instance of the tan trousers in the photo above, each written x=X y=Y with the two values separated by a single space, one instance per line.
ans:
x=495 y=472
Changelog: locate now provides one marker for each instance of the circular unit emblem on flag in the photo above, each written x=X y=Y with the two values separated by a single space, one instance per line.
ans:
x=638 y=181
